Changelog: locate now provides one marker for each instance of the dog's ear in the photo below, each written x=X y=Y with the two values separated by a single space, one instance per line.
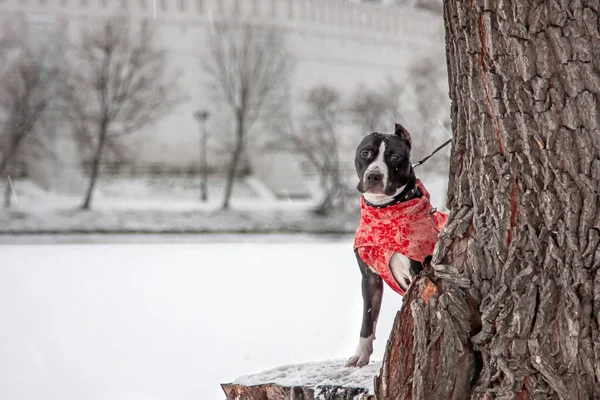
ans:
x=403 y=133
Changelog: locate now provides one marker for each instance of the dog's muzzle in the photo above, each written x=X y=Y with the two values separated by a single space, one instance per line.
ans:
x=373 y=181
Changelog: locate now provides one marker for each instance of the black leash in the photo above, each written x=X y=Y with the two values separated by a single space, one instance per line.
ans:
x=435 y=151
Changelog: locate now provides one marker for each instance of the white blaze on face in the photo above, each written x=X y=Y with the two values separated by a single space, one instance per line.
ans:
x=379 y=165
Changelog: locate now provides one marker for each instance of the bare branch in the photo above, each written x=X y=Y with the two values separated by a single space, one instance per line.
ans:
x=317 y=141
x=27 y=87
x=420 y=102
x=250 y=70
x=117 y=84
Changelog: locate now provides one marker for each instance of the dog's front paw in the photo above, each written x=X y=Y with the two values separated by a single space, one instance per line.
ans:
x=363 y=353
x=358 y=360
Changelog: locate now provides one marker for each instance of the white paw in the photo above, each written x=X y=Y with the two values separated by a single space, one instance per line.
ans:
x=358 y=360
x=363 y=353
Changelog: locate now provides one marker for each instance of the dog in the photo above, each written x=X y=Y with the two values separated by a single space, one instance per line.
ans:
x=398 y=229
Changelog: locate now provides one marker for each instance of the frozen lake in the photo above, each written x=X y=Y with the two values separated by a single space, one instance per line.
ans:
x=171 y=318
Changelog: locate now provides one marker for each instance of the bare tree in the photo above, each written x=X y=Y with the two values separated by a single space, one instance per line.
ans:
x=420 y=102
x=511 y=309
x=434 y=6
x=116 y=85
x=27 y=90
x=317 y=140
x=84 y=134
x=425 y=107
x=249 y=71
x=376 y=109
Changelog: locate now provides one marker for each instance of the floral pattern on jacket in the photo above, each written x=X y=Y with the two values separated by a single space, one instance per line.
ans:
x=410 y=228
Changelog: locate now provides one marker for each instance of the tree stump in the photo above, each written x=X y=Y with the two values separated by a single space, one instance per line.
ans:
x=328 y=380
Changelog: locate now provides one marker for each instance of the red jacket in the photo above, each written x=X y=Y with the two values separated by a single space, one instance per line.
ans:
x=410 y=228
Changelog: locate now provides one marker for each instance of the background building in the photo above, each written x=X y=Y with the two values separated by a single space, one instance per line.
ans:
x=333 y=42
x=356 y=49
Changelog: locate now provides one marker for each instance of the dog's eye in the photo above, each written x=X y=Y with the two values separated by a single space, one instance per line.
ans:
x=365 y=153
x=394 y=157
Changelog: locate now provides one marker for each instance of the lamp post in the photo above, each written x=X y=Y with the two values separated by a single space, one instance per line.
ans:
x=201 y=116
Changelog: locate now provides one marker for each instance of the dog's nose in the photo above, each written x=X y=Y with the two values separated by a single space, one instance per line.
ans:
x=374 y=177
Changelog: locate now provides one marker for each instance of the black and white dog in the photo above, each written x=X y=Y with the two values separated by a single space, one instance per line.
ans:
x=387 y=181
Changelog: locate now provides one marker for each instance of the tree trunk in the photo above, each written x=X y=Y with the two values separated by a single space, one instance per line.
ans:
x=95 y=166
x=4 y=163
x=235 y=160
x=7 y=192
x=513 y=310
x=322 y=380
x=334 y=199
x=5 y=166
x=12 y=150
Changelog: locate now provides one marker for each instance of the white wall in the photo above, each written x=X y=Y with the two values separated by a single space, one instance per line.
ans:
x=333 y=41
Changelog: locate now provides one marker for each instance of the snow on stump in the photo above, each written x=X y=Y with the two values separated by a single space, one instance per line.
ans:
x=327 y=380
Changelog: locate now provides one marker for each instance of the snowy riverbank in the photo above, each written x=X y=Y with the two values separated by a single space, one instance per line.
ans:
x=171 y=205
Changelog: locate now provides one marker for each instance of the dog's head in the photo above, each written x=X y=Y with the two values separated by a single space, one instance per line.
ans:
x=383 y=165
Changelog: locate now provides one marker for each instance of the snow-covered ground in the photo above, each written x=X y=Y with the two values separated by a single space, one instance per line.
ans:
x=173 y=320
x=171 y=204
x=163 y=193
x=315 y=374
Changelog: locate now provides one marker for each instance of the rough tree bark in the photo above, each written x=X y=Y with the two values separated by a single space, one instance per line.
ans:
x=513 y=308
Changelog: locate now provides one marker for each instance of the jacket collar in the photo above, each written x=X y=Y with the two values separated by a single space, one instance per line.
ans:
x=405 y=203
x=411 y=190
